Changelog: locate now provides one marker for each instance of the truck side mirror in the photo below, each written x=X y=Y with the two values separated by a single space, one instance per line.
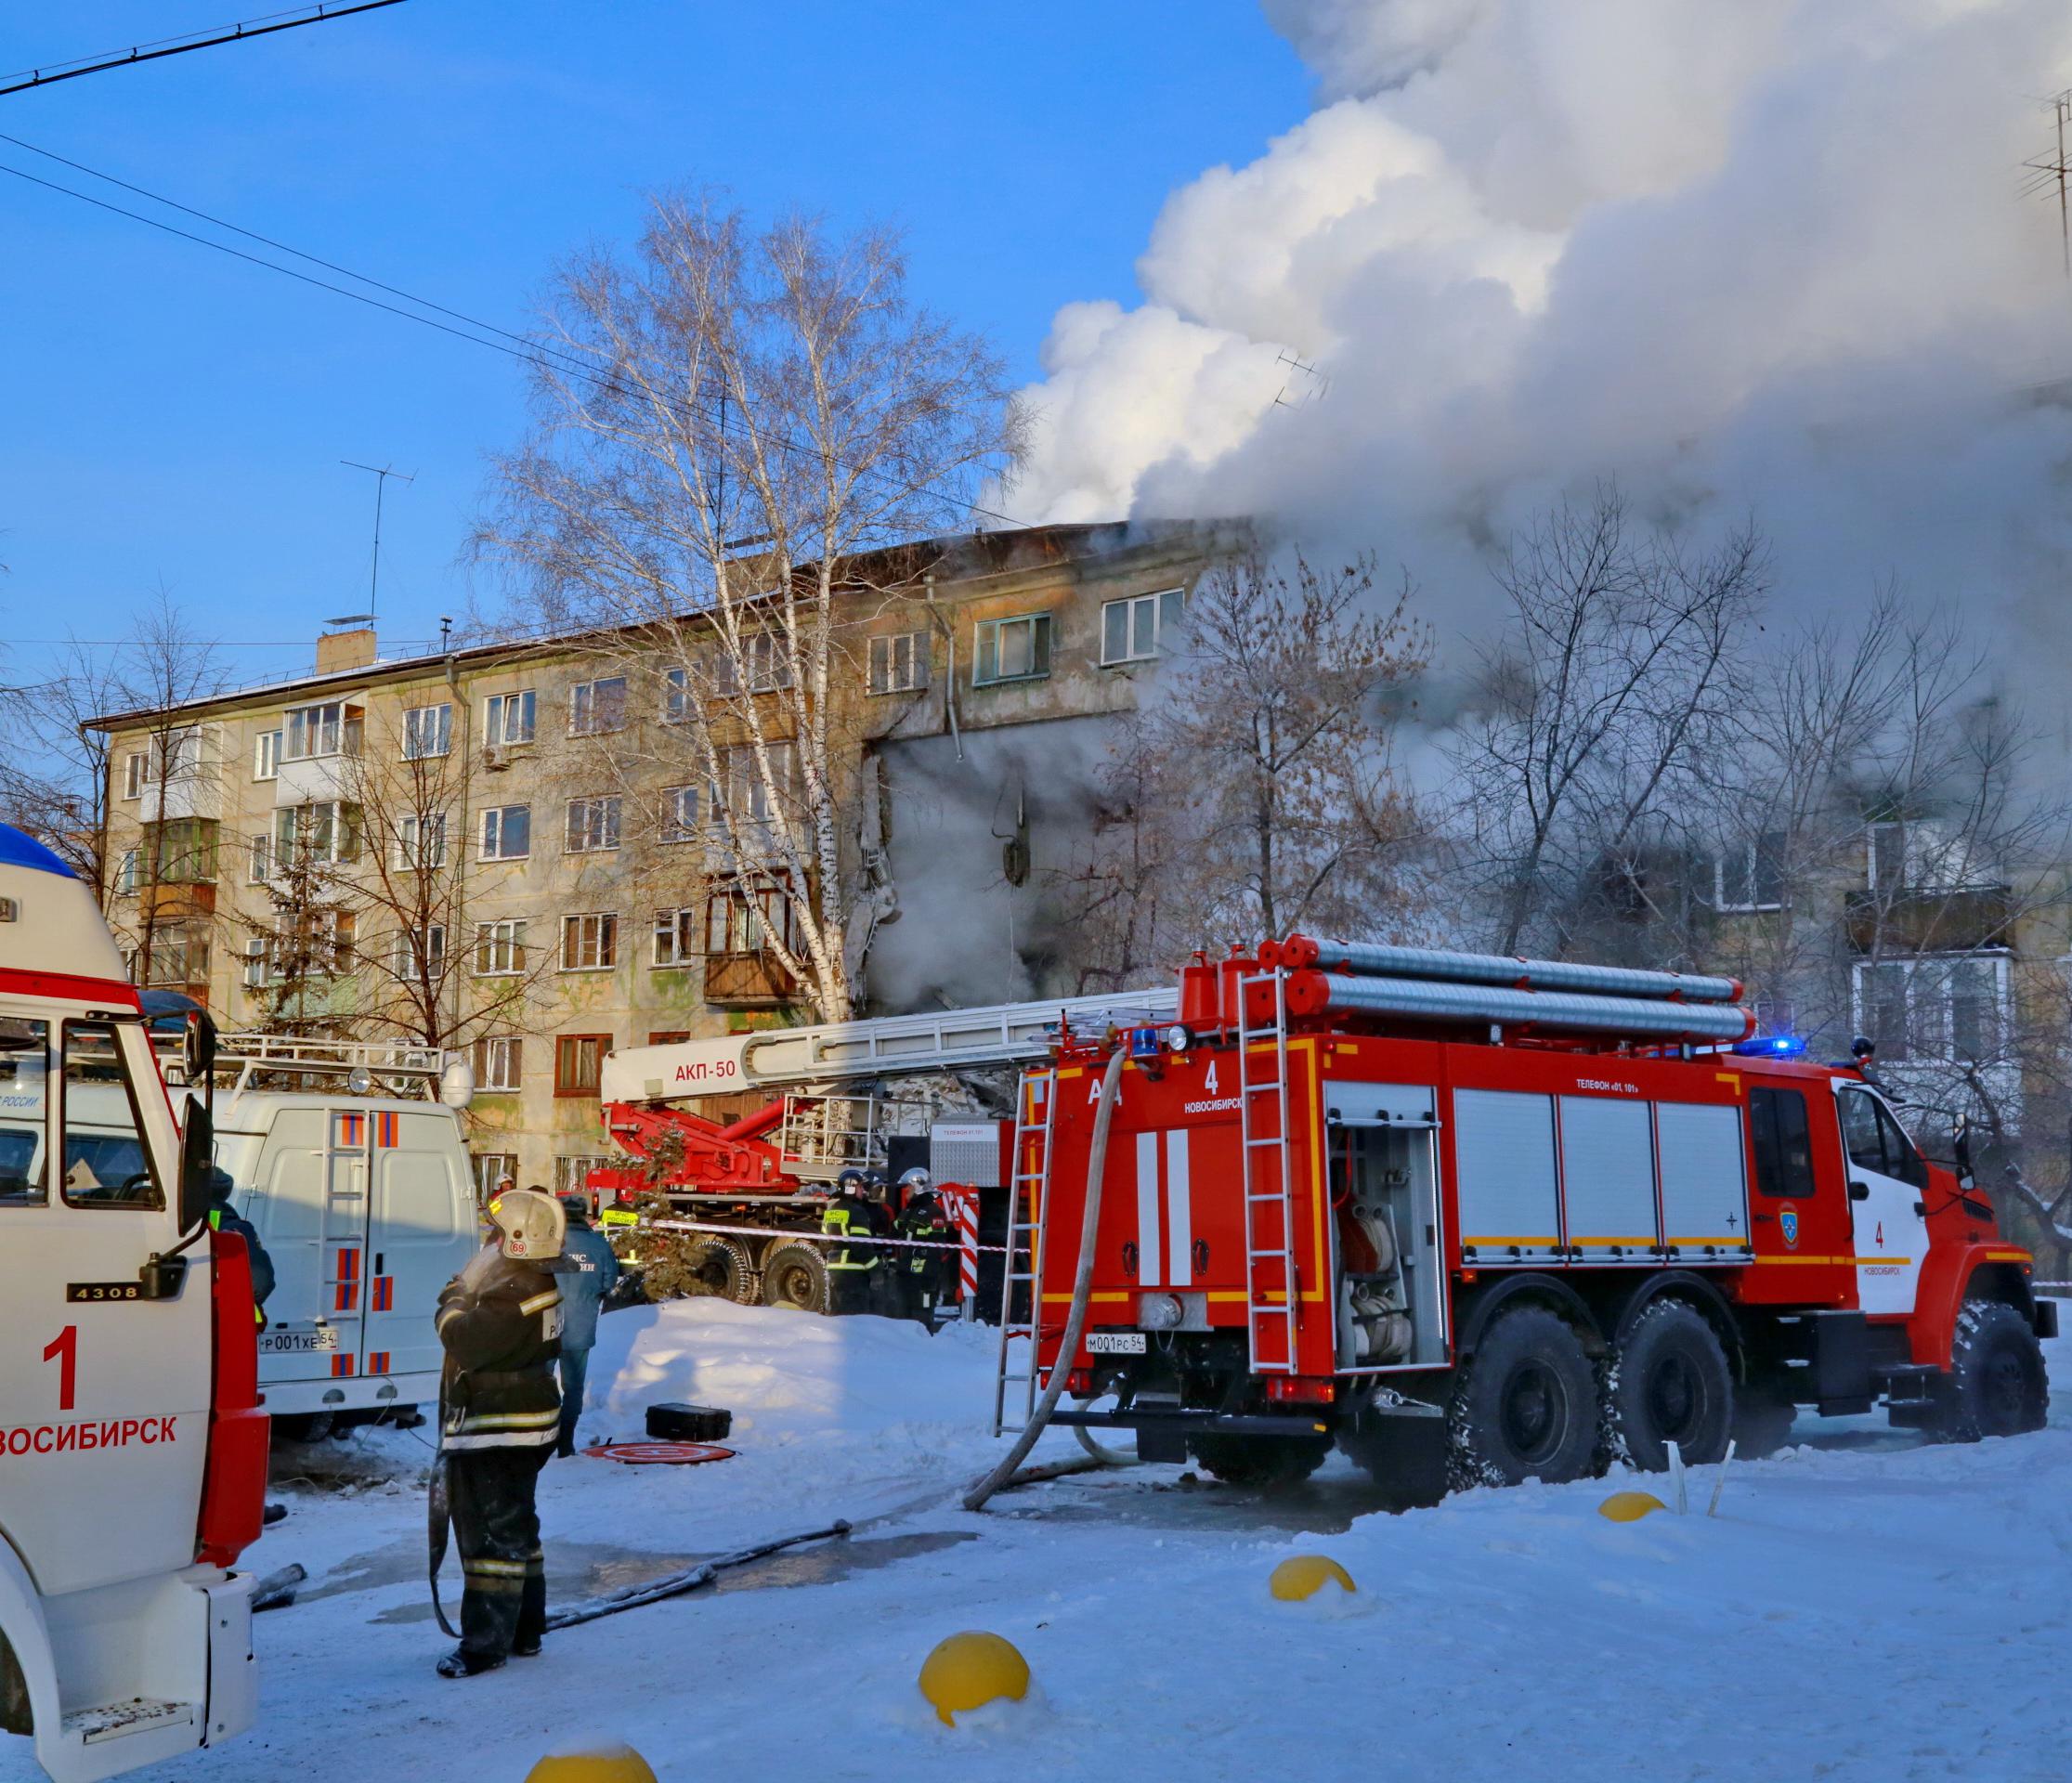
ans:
x=197 y=1167
x=198 y=1048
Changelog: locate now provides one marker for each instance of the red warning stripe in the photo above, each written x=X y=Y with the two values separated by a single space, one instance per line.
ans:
x=377 y=1362
x=352 y=1129
x=382 y=1298
x=347 y=1297
x=385 y=1127
x=341 y=1366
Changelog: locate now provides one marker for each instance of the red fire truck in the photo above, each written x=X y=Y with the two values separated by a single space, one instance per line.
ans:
x=1481 y=1219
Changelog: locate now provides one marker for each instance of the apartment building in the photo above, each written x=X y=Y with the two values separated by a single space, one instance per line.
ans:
x=505 y=847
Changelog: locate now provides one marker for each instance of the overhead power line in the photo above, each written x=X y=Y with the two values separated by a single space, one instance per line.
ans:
x=521 y=347
x=50 y=73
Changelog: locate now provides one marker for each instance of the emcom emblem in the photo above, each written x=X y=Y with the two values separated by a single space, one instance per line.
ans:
x=1788 y=1217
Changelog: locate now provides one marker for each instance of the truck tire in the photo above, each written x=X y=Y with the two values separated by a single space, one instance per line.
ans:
x=1525 y=1405
x=1997 y=1385
x=796 y=1275
x=1669 y=1382
x=727 y=1272
x=1261 y=1461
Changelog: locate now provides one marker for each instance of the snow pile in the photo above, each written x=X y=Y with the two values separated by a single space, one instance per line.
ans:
x=1864 y=1608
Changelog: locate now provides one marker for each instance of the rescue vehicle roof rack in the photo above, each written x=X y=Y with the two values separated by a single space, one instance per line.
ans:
x=418 y=1067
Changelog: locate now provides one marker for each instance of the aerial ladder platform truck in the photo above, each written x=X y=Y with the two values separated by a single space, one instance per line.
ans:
x=1479 y=1220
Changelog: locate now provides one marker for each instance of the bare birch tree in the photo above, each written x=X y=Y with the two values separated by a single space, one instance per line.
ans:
x=727 y=421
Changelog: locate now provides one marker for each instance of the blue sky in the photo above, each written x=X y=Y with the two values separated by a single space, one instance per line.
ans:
x=169 y=413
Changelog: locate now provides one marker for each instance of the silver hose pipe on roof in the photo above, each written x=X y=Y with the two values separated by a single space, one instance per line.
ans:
x=1312 y=992
x=1379 y=960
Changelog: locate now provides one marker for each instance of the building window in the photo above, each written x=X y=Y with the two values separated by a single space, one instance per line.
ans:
x=741 y=920
x=420 y=845
x=311 y=732
x=744 y=795
x=125 y=875
x=179 y=957
x=506 y=832
x=571 y=1176
x=133 y=776
x=258 y=962
x=259 y=866
x=676 y=696
x=578 y=1062
x=679 y=815
x=498 y=948
x=593 y=826
x=676 y=936
x=507 y=720
x=492 y=1169
x=899 y=664
x=1750 y=875
x=595 y=707
x=1136 y=629
x=413 y=963
x=325 y=832
x=266 y=756
x=183 y=850
x=1016 y=649
x=668 y=1036
x=428 y=731
x=1935 y=1008
x=499 y=1061
x=589 y=942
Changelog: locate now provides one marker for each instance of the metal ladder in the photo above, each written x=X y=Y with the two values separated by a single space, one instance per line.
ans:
x=1028 y=1189
x=1262 y=1103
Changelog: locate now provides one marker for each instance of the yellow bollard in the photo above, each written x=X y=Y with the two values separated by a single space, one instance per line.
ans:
x=1303 y=1575
x=1629 y=1508
x=625 y=1765
x=969 y=1669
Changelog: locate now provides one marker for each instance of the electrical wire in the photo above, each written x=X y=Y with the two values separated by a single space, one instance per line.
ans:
x=526 y=350
x=49 y=73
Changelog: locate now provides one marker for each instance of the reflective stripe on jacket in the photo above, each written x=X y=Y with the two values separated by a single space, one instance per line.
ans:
x=500 y=1321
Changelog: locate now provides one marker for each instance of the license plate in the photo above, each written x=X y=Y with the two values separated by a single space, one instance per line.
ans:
x=296 y=1343
x=1117 y=1343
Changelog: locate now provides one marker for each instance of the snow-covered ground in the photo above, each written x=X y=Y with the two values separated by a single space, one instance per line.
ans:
x=1864 y=1605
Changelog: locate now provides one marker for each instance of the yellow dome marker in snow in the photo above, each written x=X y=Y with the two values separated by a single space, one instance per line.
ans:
x=1303 y=1575
x=971 y=1670
x=1629 y=1508
x=625 y=1765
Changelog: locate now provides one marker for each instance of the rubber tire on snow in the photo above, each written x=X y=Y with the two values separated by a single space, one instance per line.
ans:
x=796 y=1275
x=1525 y=1405
x=1669 y=1382
x=1261 y=1461
x=728 y=1260
x=1997 y=1385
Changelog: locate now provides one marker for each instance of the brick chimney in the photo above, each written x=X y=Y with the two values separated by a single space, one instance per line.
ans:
x=337 y=651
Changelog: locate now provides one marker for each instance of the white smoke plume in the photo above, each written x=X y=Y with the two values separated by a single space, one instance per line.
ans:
x=1768 y=256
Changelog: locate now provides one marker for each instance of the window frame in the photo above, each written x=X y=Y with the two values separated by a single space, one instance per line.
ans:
x=501 y=814
x=683 y=925
x=1747 y=857
x=601 y=826
x=582 y=696
x=671 y=829
x=883 y=673
x=56 y=1165
x=986 y=645
x=37 y=1193
x=488 y=1168
x=330 y=733
x=1155 y=603
x=1917 y=1044
x=133 y=774
x=602 y=941
x=504 y=937
x=570 y=1047
x=413 y=728
x=1774 y=1176
x=496 y=718
x=508 y=1049
x=266 y=754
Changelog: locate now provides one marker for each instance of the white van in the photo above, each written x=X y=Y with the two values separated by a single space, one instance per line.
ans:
x=365 y=1205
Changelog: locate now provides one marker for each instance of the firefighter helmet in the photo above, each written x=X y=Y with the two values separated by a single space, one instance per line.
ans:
x=852 y=1181
x=916 y=1179
x=530 y=1226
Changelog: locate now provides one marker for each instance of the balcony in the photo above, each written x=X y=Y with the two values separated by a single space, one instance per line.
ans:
x=746 y=981
x=1925 y=920
x=175 y=903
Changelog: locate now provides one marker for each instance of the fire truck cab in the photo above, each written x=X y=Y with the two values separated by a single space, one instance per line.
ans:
x=1479 y=1221
x=135 y=1453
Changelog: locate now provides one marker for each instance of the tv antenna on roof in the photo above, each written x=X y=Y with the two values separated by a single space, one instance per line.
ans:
x=381 y=473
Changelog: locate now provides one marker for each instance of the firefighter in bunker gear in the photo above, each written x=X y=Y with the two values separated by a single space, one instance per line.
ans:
x=500 y=1321
x=924 y=1277
x=857 y=1272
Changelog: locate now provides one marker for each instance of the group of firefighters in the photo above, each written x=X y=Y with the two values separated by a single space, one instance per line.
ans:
x=526 y=1305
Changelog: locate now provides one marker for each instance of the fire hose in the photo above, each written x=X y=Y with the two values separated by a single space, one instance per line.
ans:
x=1082 y=1291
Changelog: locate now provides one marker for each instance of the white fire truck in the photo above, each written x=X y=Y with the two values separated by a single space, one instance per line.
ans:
x=135 y=1452
x=1481 y=1219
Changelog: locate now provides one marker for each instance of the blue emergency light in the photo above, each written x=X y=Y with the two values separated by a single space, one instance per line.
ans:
x=1773 y=1046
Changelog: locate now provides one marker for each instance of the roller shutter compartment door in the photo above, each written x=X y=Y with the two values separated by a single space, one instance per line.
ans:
x=1704 y=1183
x=1608 y=1178
x=1503 y=1168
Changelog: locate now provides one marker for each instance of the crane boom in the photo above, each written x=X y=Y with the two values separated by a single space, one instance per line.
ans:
x=778 y=1057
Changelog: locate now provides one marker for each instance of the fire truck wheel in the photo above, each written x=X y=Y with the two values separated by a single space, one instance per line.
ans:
x=1525 y=1404
x=1669 y=1382
x=1997 y=1385
x=1260 y=1461
x=796 y=1275
x=728 y=1272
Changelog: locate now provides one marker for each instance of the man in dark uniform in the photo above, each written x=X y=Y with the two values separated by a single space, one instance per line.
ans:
x=855 y=1271
x=500 y=1321
x=922 y=1275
